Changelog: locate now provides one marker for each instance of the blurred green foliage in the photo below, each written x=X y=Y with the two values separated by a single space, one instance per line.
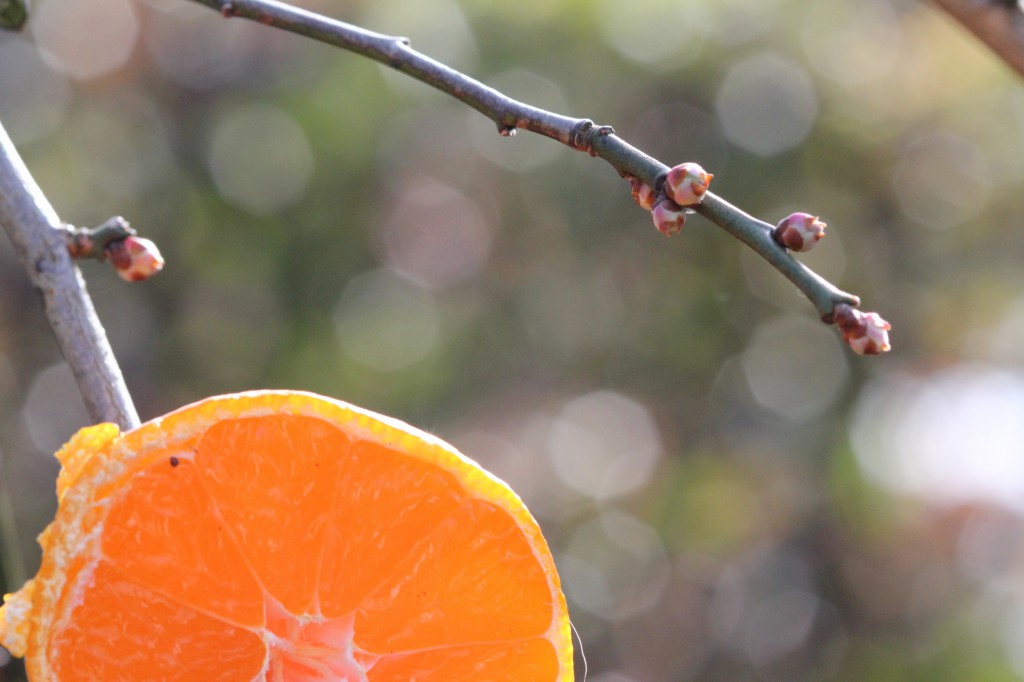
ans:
x=13 y=14
x=726 y=498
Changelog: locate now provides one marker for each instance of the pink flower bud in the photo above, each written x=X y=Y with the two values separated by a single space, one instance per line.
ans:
x=865 y=333
x=668 y=217
x=799 y=231
x=135 y=258
x=687 y=183
x=643 y=194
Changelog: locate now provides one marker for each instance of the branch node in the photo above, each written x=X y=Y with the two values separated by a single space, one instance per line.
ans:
x=581 y=137
x=659 y=182
x=597 y=132
x=85 y=242
x=134 y=259
x=395 y=51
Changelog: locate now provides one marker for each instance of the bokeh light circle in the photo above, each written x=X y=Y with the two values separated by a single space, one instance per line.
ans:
x=385 y=322
x=53 y=408
x=767 y=104
x=942 y=179
x=260 y=158
x=435 y=235
x=604 y=445
x=795 y=367
x=85 y=39
x=952 y=437
x=615 y=566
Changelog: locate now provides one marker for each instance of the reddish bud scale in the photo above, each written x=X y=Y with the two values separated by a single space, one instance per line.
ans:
x=80 y=243
x=669 y=217
x=135 y=258
x=687 y=183
x=865 y=333
x=118 y=255
x=799 y=231
x=643 y=194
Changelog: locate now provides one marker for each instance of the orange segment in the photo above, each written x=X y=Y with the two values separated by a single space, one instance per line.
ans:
x=387 y=503
x=164 y=532
x=284 y=537
x=531 y=659
x=473 y=565
x=275 y=493
x=121 y=631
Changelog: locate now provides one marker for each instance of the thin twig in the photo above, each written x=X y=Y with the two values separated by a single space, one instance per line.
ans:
x=509 y=114
x=997 y=23
x=41 y=242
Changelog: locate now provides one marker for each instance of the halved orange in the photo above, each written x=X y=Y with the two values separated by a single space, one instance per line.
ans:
x=284 y=536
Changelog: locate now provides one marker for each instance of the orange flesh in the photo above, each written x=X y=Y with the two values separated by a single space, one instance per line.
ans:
x=279 y=548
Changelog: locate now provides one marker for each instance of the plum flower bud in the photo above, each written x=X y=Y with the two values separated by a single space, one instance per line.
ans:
x=865 y=333
x=668 y=217
x=687 y=183
x=135 y=258
x=643 y=194
x=799 y=231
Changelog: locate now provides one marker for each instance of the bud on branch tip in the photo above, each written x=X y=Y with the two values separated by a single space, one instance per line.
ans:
x=134 y=258
x=865 y=333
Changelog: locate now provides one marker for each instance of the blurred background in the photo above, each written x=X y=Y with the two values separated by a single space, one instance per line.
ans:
x=729 y=492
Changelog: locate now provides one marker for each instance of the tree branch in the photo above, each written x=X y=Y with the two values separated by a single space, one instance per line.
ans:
x=509 y=115
x=41 y=242
x=997 y=23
